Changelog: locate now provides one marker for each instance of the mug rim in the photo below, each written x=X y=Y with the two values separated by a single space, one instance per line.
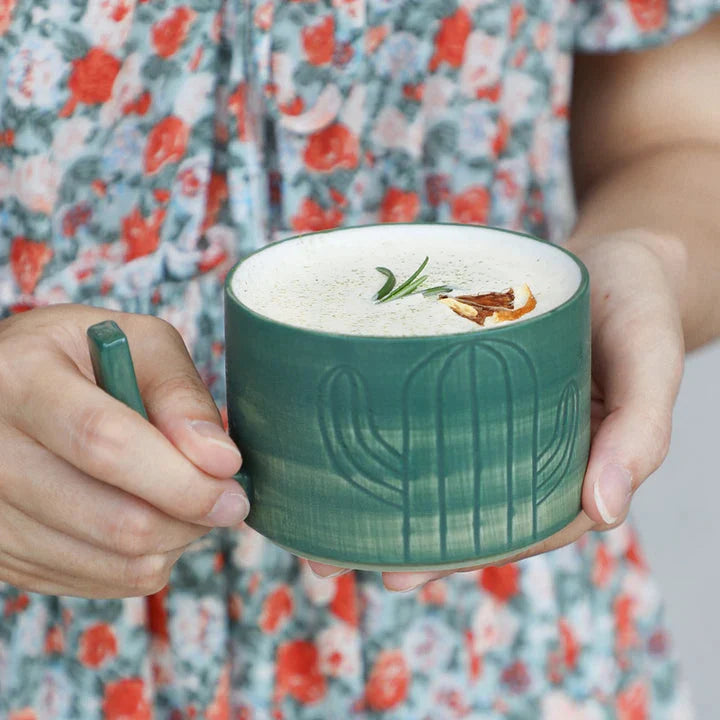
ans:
x=579 y=292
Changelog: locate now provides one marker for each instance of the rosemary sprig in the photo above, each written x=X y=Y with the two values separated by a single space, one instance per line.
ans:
x=409 y=286
x=437 y=290
x=389 y=283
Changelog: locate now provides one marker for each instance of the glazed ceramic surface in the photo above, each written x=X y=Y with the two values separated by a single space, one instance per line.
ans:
x=408 y=452
x=414 y=451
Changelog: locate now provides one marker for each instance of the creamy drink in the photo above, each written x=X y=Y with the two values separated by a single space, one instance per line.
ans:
x=399 y=280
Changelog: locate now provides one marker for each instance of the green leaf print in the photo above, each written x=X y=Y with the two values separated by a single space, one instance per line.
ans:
x=73 y=45
x=85 y=170
x=441 y=140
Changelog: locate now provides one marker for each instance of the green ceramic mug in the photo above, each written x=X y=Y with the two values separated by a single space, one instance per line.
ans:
x=389 y=453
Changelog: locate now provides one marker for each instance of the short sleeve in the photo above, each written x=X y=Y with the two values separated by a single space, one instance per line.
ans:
x=616 y=25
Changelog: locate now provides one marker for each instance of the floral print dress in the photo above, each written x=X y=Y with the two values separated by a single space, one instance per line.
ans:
x=145 y=145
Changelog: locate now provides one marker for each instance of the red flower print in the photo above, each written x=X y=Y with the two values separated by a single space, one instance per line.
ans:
x=166 y=143
x=399 y=206
x=6 y=10
x=471 y=206
x=219 y=708
x=344 y=602
x=24 y=714
x=318 y=41
x=190 y=184
x=649 y=14
x=374 y=38
x=433 y=593
x=91 y=80
x=237 y=107
x=75 y=217
x=277 y=608
x=125 y=700
x=501 y=137
x=27 y=261
x=625 y=634
x=295 y=107
x=97 y=644
x=632 y=703
x=501 y=582
x=99 y=188
x=634 y=554
x=161 y=195
x=389 y=680
x=263 y=15
x=474 y=658
x=141 y=235
x=169 y=34
x=138 y=106
x=450 y=40
x=603 y=568
x=194 y=63
x=333 y=147
x=337 y=197
x=54 y=640
x=297 y=672
x=312 y=217
x=516 y=677
x=569 y=645
x=217 y=194
x=517 y=17
x=413 y=92
x=157 y=614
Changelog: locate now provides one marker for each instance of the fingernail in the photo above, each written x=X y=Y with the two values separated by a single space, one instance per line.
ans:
x=403 y=588
x=230 y=509
x=337 y=573
x=214 y=434
x=612 y=492
x=404 y=584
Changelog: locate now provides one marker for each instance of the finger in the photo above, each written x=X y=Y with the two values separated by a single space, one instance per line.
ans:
x=406 y=581
x=51 y=491
x=178 y=402
x=46 y=552
x=639 y=364
x=105 y=439
x=322 y=570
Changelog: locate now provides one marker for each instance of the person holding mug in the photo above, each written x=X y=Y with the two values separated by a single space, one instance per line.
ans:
x=144 y=147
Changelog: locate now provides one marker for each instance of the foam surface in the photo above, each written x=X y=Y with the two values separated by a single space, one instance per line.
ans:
x=327 y=281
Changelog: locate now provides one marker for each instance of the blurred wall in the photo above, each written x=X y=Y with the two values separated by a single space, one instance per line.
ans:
x=678 y=513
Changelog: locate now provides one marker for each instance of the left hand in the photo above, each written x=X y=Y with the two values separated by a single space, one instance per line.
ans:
x=637 y=363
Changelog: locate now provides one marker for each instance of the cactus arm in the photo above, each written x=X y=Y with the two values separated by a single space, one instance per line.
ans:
x=555 y=459
x=384 y=454
x=352 y=441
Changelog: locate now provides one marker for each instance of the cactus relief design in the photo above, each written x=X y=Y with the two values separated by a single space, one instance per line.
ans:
x=464 y=460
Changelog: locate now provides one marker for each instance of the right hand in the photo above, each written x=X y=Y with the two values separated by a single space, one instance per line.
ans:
x=95 y=501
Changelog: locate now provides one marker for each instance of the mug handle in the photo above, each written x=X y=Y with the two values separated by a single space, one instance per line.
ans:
x=115 y=373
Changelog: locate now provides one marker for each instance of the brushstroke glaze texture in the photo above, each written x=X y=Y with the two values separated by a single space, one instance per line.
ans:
x=416 y=451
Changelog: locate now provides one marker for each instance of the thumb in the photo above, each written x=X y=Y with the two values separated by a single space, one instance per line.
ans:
x=638 y=366
x=176 y=399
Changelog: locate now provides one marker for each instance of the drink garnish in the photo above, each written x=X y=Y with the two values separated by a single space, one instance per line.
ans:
x=410 y=286
x=490 y=308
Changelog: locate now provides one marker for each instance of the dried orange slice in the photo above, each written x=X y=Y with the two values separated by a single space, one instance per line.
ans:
x=488 y=309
